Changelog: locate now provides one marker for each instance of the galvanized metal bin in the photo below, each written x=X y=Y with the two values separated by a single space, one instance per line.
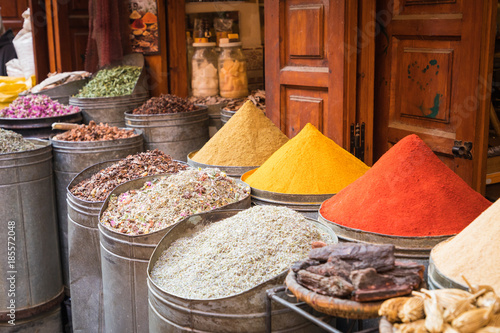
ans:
x=437 y=280
x=110 y=110
x=63 y=92
x=416 y=249
x=232 y=171
x=243 y=312
x=215 y=122
x=176 y=134
x=70 y=158
x=31 y=272
x=46 y=322
x=225 y=115
x=124 y=261
x=306 y=204
x=85 y=276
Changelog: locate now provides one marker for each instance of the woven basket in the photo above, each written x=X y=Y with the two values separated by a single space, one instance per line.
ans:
x=330 y=305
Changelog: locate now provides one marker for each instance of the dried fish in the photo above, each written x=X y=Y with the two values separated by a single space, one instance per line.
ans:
x=412 y=310
x=392 y=307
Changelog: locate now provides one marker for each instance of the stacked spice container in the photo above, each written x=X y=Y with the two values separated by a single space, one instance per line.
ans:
x=77 y=149
x=304 y=172
x=408 y=198
x=243 y=144
x=113 y=91
x=171 y=124
x=133 y=219
x=85 y=196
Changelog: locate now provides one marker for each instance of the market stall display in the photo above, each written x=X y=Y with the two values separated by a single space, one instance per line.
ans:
x=444 y=310
x=258 y=97
x=77 y=149
x=245 y=142
x=85 y=196
x=218 y=265
x=473 y=252
x=31 y=252
x=171 y=124
x=129 y=232
x=304 y=172
x=408 y=192
x=33 y=115
x=114 y=90
x=214 y=105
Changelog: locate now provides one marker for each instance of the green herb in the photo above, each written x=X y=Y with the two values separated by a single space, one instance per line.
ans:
x=11 y=142
x=118 y=81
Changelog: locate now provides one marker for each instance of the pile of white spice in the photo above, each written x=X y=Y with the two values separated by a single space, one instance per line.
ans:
x=474 y=252
x=237 y=253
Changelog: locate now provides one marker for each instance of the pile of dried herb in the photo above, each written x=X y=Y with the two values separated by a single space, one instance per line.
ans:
x=166 y=103
x=209 y=100
x=258 y=98
x=117 y=81
x=94 y=132
x=11 y=142
x=151 y=162
x=167 y=200
x=236 y=254
x=36 y=106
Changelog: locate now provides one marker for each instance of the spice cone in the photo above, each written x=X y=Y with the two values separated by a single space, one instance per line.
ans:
x=247 y=139
x=408 y=192
x=310 y=163
x=474 y=252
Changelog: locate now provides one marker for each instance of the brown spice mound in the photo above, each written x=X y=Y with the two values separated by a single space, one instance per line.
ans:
x=165 y=104
x=94 y=132
x=151 y=162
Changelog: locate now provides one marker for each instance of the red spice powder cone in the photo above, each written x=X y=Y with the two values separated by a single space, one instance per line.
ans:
x=408 y=192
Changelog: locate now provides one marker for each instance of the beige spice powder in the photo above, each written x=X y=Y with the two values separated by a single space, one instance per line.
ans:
x=474 y=252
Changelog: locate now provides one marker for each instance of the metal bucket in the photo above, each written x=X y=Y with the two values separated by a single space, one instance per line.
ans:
x=124 y=261
x=70 y=158
x=437 y=280
x=85 y=276
x=176 y=134
x=231 y=171
x=40 y=128
x=415 y=249
x=243 y=312
x=47 y=322
x=306 y=204
x=108 y=110
x=225 y=115
x=215 y=122
x=31 y=275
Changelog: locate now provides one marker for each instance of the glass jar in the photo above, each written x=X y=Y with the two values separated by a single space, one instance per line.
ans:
x=233 y=80
x=204 y=79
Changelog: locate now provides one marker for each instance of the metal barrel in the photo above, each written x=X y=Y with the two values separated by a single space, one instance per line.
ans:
x=108 y=110
x=306 y=204
x=176 y=134
x=415 y=249
x=124 y=261
x=85 y=277
x=232 y=171
x=215 y=122
x=225 y=115
x=40 y=128
x=70 y=158
x=31 y=275
x=243 y=312
x=437 y=280
x=47 y=322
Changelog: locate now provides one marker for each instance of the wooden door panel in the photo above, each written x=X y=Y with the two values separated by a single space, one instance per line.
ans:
x=307 y=65
x=304 y=105
x=428 y=64
x=12 y=11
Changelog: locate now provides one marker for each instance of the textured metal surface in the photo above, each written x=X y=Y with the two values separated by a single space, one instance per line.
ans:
x=176 y=134
x=40 y=128
x=225 y=115
x=27 y=195
x=47 y=322
x=85 y=277
x=306 y=204
x=70 y=158
x=124 y=261
x=231 y=171
x=108 y=110
x=437 y=280
x=62 y=92
x=243 y=312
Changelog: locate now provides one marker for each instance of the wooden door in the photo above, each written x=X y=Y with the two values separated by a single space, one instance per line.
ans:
x=433 y=73
x=310 y=52
x=11 y=11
